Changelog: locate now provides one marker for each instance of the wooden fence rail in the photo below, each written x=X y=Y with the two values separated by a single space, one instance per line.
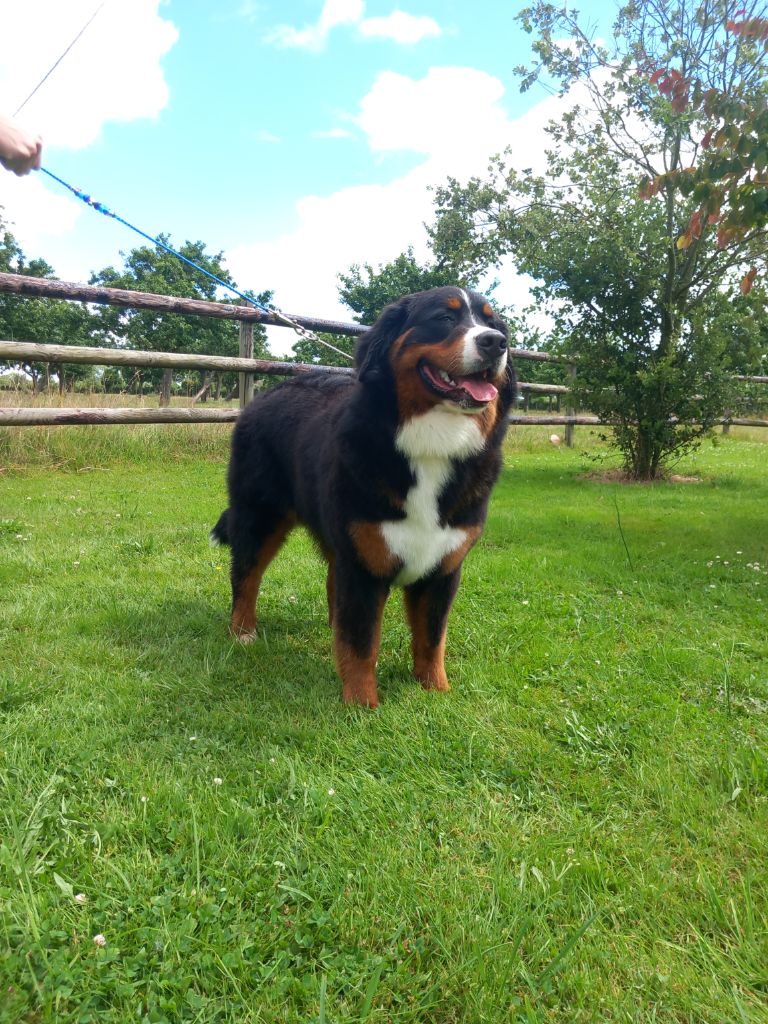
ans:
x=18 y=351
x=42 y=287
x=245 y=365
x=60 y=417
x=39 y=352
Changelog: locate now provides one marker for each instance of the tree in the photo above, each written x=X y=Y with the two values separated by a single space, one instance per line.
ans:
x=628 y=302
x=307 y=350
x=152 y=269
x=728 y=175
x=367 y=291
x=40 y=320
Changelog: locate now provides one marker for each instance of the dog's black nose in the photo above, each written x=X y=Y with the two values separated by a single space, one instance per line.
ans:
x=491 y=343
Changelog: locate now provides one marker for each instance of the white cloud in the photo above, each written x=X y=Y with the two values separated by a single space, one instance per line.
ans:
x=455 y=119
x=455 y=112
x=268 y=137
x=250 y=10
x=313 y=37
x=34 y=213
x=112 y=73
x=332 y=133
x=400 y=27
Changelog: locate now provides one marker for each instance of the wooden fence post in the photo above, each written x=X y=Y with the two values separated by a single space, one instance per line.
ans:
x=246 y=352
x=570 y=409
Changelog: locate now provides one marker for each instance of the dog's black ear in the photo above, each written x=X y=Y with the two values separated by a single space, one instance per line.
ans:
x=372 y=347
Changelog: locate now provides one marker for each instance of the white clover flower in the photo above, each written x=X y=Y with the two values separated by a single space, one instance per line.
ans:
x=99 y=940
x=217 y=781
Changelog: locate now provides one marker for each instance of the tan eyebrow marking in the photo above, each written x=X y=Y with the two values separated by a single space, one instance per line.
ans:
x=487 y=311
x=454 y=303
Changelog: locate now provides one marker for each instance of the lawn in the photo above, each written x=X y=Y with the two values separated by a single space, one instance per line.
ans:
x=195 y=831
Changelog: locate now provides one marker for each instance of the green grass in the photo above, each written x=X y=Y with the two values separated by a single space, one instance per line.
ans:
x=576 y=833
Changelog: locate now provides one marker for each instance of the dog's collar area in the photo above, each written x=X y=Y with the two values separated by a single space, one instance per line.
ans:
x=473 y=389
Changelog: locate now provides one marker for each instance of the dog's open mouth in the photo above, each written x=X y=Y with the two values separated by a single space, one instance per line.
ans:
x=475 y=389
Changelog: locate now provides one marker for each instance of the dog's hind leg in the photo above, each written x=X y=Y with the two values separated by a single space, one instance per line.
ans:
x=427 y=604
x=253 y=548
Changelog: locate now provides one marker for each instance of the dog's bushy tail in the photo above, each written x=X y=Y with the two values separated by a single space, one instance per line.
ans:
x=220 y=533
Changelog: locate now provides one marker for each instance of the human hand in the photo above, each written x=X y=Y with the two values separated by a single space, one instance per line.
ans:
x=20 y=151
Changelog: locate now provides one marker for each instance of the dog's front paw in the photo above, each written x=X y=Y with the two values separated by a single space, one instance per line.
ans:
x=430 y=672
x=360 y=691
x=435 y=682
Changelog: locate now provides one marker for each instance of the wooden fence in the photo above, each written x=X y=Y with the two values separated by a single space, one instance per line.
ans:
x=245 y=365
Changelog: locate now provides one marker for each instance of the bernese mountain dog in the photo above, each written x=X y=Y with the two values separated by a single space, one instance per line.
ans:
x=389 y=469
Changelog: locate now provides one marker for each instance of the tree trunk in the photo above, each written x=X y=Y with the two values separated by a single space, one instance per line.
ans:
x=646 y=456
x=202 y=394
x=165 y=391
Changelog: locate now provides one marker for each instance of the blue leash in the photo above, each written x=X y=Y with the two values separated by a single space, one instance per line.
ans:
x=101 y=208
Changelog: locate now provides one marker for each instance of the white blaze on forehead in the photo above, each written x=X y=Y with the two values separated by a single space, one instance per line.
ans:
x=471 y=360
x=469 y=306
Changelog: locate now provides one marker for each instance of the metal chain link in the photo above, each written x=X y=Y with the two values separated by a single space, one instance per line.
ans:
x=306 y=333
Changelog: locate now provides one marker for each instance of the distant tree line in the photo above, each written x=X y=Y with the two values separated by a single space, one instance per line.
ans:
x=146 y=269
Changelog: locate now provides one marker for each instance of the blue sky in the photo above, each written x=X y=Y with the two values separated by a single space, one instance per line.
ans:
x=297 y=137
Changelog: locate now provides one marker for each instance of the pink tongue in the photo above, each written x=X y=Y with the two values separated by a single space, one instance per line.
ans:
x=480 y=390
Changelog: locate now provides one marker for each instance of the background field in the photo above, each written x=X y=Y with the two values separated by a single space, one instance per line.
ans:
x=576 y=833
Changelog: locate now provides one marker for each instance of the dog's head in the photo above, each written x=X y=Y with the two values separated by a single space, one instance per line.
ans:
x=441 y=347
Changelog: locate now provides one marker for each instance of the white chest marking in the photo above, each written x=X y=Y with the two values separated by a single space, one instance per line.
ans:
x=430 y=442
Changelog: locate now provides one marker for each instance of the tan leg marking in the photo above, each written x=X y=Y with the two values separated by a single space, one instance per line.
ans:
x=243 y=621
x=428 y=661
x=358 y=673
